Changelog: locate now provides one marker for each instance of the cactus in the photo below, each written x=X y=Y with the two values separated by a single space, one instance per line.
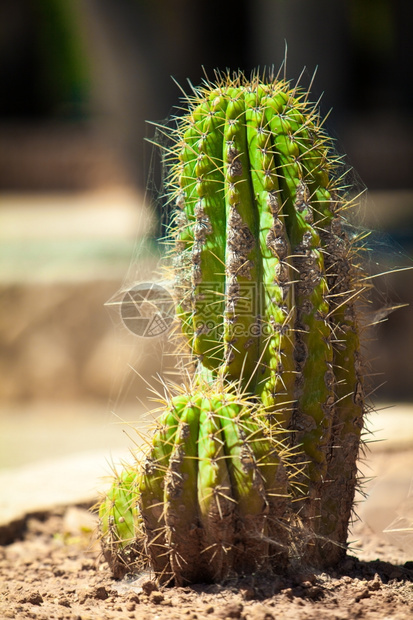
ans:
x=283 y=284
x=211 y=489
x=122 y=537
x=266 y=284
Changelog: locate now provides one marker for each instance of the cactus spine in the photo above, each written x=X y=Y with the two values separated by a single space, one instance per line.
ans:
x=266 y=283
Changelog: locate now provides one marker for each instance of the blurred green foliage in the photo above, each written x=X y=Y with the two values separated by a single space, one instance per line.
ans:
x=45 y=67
x=63 y=62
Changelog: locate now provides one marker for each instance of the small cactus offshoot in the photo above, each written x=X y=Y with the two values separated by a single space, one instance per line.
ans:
x=213 y=488
x=267 y=285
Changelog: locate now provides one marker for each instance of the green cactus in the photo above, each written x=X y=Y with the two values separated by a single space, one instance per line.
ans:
x=289 y=326
x=121 y=525
x=211 y=489
x=266 y=283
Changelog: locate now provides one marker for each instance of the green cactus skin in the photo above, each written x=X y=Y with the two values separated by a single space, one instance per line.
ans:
x=216 y=503
x=209 y=490
x=343 y=276
x=151 y=485
x=347 y=425
x=276 y=352
x=289 y=327
x=242 y=260
x=208 y=249
x=121 y=525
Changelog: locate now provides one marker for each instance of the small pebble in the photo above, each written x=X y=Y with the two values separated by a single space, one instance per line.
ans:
x=148 y=587
x=101 y=593
x=363 y=594
x=232 y=610
x=375 y=584
x=156 y=597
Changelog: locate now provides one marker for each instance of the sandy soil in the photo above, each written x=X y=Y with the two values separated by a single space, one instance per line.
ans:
x=53 y=570
x=51 y=567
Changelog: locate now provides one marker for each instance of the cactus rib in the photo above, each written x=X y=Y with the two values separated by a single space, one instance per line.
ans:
x=121 y=525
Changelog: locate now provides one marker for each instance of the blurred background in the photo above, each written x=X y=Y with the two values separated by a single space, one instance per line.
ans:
x=79 y=212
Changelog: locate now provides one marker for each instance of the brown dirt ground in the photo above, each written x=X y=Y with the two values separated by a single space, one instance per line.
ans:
x=52 y=569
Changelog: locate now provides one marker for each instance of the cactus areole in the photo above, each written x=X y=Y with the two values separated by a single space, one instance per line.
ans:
x=267 y=286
